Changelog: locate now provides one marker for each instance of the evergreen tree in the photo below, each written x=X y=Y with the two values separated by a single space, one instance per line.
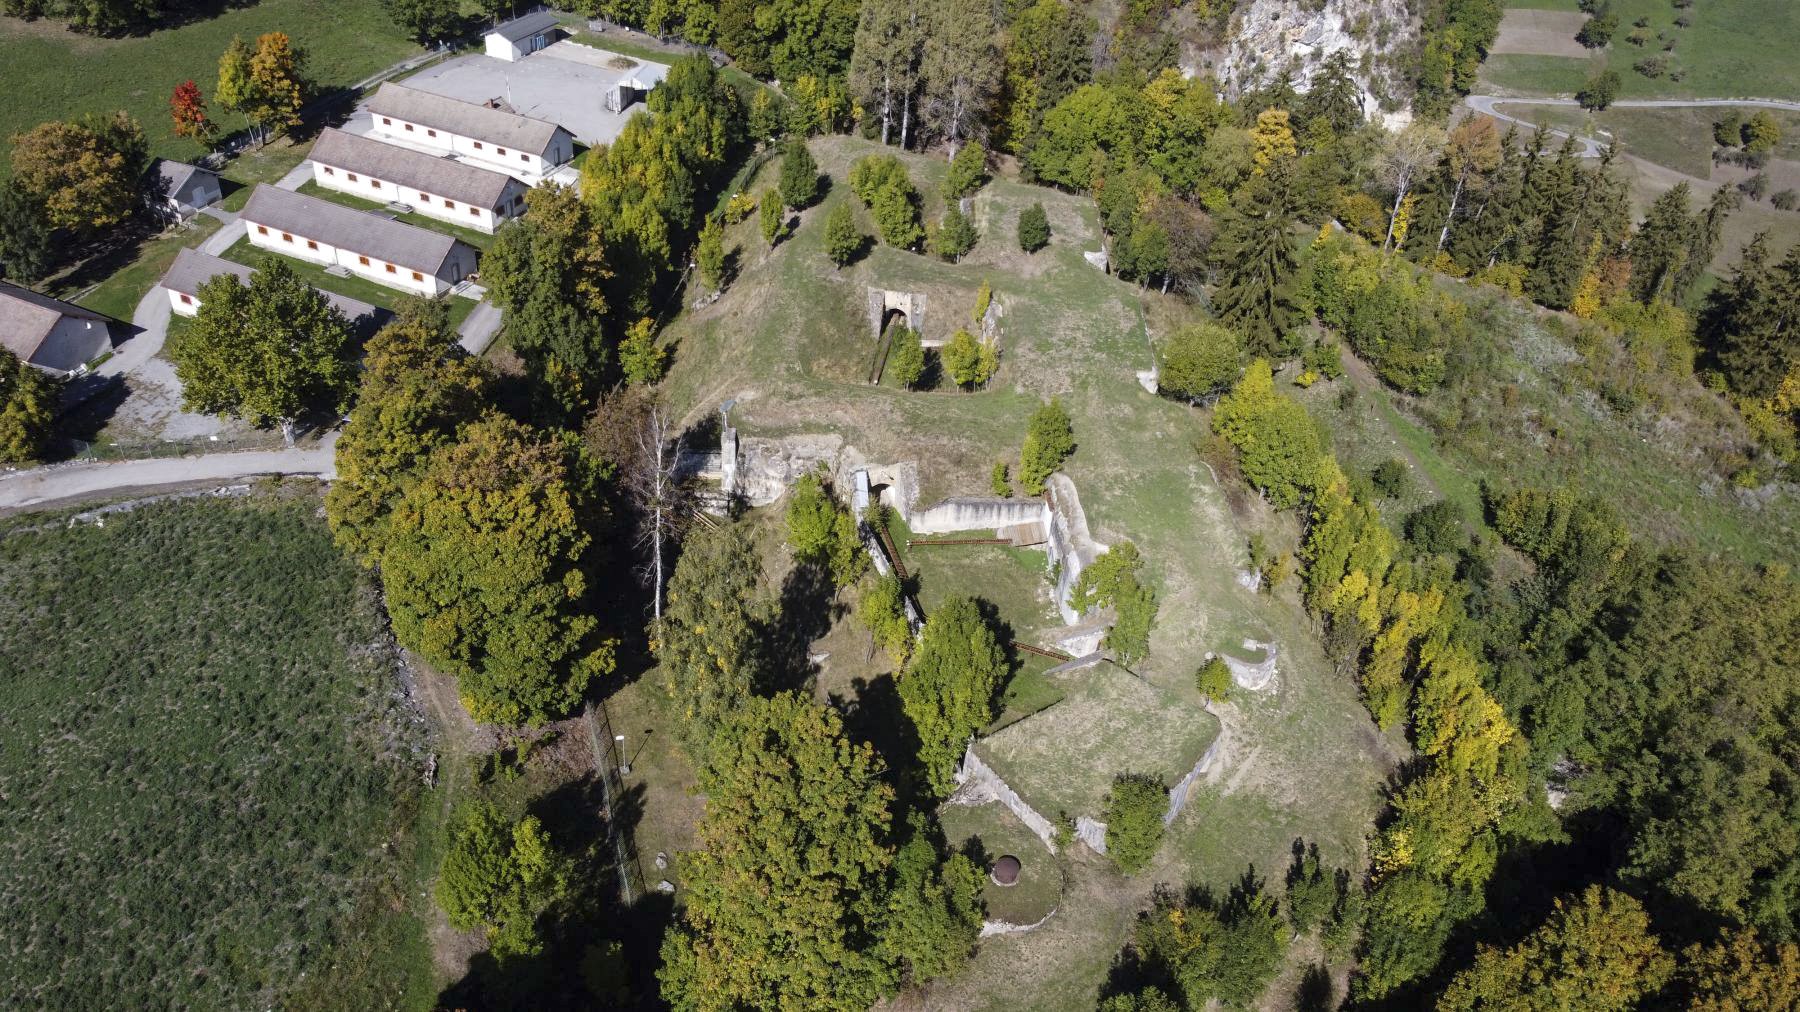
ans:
x=24 y=235
x=1660 y=247
x=968 y=170
x=950 y=688
x=1134 y=820
x=1256 y=264
x=1750 y=321
x=799 y=182
x=906 y=357
x=842 y=239
x=1334 y=100
x=955 y=234
x=1034 y=228
x=1708 y=232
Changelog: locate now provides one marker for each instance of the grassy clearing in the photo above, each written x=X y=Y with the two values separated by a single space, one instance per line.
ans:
x=1062 y=760
x=354 y=286
x=65 y=74
x=1680 y=138
x=479 y=240
x=999 y=833
x=1741 y=49
x=119 y=294
x=212 y=788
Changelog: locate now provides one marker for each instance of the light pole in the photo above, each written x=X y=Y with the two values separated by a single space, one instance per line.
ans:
x=619 y=746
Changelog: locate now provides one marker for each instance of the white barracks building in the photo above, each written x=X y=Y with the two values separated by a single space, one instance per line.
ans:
x=388 y=252
x=519 y=145
x=442 y=188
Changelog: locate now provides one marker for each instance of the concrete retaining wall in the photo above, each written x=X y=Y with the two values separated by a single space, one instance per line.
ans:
x=1070 y=544
x=978 y=784
x=976 y=513
x=1178 y=794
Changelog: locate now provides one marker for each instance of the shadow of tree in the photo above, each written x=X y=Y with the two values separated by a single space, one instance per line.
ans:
x=1316 y=991
x=808 y=607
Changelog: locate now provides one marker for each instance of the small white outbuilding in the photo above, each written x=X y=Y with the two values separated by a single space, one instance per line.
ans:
x=516 y=39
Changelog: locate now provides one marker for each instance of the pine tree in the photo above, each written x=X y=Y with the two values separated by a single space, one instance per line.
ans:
x=1256 y=263
x=799 y=183
x=1660 y=247
x=1708 y=232
x=24 y=234
x=773 y=218
x=884 y=66
x=842 y=240
x=1751 y=321
x=1034 y=228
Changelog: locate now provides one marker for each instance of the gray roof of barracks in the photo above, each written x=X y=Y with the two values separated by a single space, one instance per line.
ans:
x=27 y=318
x=360 y=232
x=496 y=126
x=193 y=268
x=443 y=177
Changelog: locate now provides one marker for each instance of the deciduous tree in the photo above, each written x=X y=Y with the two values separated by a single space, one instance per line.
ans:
x=1594 y=952
x=1134 y=820
x=884 y=68
x=27 y=410
x=1199 y=361
x=187 y=107
x=500 y=876
x=1278 y=447
x=785 y=898
x=484 y=572
x=417 y=392
x=706 y=644
x=426 y=20
x=267 y=351
x=843 y=241
x=961 y=71
x=949 y=689
x=87 y=172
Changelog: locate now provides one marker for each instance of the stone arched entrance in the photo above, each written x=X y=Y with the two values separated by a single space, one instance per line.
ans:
x=883 y=303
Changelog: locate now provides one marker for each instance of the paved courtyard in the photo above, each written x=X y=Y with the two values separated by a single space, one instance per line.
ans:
x=566 y=84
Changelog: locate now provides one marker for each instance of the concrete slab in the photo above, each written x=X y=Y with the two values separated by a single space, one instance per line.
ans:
x=565 y=84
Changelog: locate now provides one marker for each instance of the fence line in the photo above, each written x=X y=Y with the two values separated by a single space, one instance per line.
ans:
x=607 y=762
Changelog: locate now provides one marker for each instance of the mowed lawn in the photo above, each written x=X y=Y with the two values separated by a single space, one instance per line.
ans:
x=210 y=789
x=48 y=72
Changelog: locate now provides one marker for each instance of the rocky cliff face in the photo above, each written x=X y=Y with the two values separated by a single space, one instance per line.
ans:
x=1268 y=37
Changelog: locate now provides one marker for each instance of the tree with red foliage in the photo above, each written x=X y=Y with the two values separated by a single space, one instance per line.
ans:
x=188 y=108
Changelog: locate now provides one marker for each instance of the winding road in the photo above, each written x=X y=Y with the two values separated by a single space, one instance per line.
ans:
x=1591 y=148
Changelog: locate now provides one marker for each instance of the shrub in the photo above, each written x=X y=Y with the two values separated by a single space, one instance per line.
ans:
x=954 y=236
x=1786 y=200
x=1435 y=528
x=970 y=362
x=1034 y=228
x=1325 y=358
x=906 y=357
x=968 y=170
x=799 y=181
x=1214 y=681
x=1049 y=439
x=1391 y=478
x=1134 y=820
x=1199 y=361
x=1001 y=480
x=882 y=611
x=739 y=207
x=774 y=218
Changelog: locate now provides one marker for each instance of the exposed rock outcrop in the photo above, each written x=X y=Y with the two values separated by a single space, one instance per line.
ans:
x=1269 y=37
